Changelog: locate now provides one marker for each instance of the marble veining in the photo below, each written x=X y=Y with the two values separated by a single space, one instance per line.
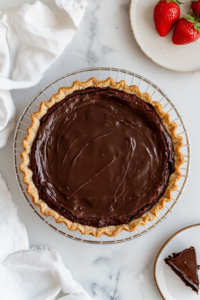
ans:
x=91 y=55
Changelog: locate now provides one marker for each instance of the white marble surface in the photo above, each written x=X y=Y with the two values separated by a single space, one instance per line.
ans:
x=123 y=271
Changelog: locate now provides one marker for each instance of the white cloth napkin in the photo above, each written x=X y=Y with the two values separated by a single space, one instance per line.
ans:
x=31 y=39
x=13 y=236
x=29 y=274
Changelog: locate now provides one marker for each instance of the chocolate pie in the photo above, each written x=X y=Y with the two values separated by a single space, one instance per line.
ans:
x=101 y=157
x=184 y=264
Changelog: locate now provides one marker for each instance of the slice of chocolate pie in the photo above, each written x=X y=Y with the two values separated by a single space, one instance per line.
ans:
x=184 y=264
x=101 y=157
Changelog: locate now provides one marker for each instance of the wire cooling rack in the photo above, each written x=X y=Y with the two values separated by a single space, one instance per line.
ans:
x=102 y=74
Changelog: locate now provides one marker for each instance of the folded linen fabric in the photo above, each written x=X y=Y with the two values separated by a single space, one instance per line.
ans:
x=29 y=274
x=32 y=38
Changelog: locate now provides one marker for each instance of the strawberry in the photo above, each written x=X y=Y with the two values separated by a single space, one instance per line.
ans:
x=166 y=13
x=187 y=30
x=195 y=6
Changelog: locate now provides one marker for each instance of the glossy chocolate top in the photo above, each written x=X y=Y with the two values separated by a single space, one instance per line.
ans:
x=101 y=157
x=185 y=263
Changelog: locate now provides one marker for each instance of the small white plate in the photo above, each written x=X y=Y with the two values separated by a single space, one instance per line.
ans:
x=169 y=284
x=161 y=50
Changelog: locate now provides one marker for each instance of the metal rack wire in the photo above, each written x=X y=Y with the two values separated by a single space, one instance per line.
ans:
x=118 y=75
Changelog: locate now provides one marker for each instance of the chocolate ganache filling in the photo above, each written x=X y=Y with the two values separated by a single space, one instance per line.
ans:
x=101 y=157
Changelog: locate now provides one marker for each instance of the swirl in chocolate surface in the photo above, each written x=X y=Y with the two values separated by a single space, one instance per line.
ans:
x=101 y=157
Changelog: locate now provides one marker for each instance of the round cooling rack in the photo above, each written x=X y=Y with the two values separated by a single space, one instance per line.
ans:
x=102 y=74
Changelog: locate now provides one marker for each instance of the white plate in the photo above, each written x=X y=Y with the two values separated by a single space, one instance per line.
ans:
x=161 y=50
x=169 y=284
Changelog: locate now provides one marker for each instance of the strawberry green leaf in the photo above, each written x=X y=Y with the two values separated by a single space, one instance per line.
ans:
x=197 y=27
x=175 y=1
x=190 y=18
x=178 y=2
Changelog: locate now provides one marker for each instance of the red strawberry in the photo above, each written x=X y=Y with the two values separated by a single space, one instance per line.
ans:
x=196 y=7
x=166 y=13
x=187 y=30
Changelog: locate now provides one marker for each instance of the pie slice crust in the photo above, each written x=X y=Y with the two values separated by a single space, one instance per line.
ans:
x=108 y=230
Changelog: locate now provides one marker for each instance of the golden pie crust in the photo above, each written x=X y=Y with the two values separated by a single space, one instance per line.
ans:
x=108 y=230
